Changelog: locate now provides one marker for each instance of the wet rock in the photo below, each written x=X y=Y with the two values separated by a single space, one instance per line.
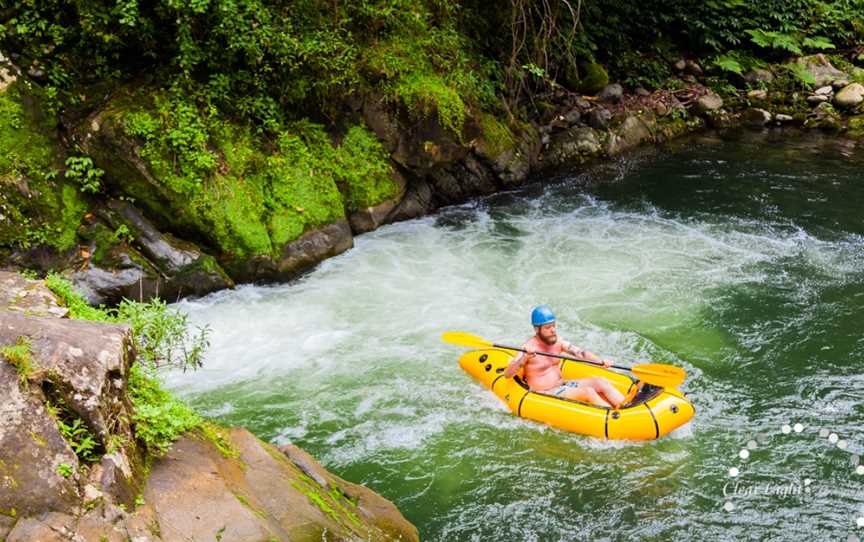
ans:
x=312 y=248
x=632 y=132
x=817 y=99
x=707 y=103
x=598 y=118
x=781 y=118
x=823 y=117
x=26 y=296
x=820 y=68
x=754 y=117
x=573 y=146
x=849 y=96
x=758 y=75
x=758 y=94
x=613 y=93
x=417 y=201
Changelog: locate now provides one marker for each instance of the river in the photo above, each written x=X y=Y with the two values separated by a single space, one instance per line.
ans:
x=740 y=260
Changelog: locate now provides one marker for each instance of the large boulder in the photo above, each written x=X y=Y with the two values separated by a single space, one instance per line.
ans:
x=632 y=132
x=27 y=296
x=820 y=68
x=593 y=78
x=849 y=96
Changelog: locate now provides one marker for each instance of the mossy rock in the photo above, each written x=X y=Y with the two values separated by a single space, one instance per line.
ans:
x=594 y=78
x=855 y=127
x=38 y=207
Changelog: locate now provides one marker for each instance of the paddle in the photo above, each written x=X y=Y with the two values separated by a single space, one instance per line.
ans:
x=657 y=374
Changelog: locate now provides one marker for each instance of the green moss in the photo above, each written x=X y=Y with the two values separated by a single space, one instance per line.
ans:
x=364 y=169
x=496 y=135
x=426 y=93
x=855 y=126
x=19 y=356
x=594 y=78
x=245 y=502
x=36 y=207
x=220 y=438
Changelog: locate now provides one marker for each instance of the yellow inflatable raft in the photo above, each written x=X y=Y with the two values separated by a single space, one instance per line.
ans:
x=652 y=413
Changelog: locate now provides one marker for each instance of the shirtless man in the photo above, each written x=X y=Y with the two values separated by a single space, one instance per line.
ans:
x=543 y=374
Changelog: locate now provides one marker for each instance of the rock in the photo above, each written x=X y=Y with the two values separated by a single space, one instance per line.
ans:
x=823 y=117
x=855 y=126
x=642 y=92
x=708 y=102
x=758 y=75
x=824 y=91
x=839 y=83
x=365 y=220
x=781 y=118
x=186 y=269
x=572 y=117
x=312 y=248
x=849 y=96
x=817 y=99
x=754 y=117
x=573 y=146
x=262 y=494
x=30 y=297
x=820 y=68
x=631 y=133
x=758 y=94
x=594 y=78
x=689 y=78
x=598 y=118
x=582 y=103
x=417 y=201
x=461 y=181
x=661 y=109
x=693 y=68
x=611 y=93
x=680 y=65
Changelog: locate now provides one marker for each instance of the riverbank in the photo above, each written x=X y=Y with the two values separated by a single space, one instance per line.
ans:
x=122 y=225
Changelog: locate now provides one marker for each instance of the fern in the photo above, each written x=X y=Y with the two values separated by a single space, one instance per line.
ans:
x=728 y=63
x=818 y=42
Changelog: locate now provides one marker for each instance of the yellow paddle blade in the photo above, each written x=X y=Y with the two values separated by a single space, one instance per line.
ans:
x=465 y=339
x=658 y=374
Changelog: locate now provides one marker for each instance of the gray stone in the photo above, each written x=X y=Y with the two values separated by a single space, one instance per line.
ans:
x=817 y=99
x=313 y=247
x=757 y=94
x=758 y=75
x=631 y=133
x=820 y=68
x=598 y=118
x=364 y=220
x=755 y=117
x=824 y=91
x=693 y=68
x=572 y=117
x=689 y=78
x=25 y=296
x=823 y=117
x=839 y=83
x=781 y=118
x=613 y=93
x=708 y=102
x=582 y=103
x=642 y=92
x=680 y=65
x=849 y=96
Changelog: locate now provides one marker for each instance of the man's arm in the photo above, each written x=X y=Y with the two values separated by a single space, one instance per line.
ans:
x=519 y=361
x=581 y=353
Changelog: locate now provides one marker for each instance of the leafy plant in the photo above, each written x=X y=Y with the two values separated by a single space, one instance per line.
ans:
x=82 y=170
x=79 y=437
x=159 y=417
x=728 y=63
x=19 y=356
x=64 y=470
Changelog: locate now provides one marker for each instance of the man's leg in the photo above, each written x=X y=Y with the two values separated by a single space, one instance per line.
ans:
x=585 y=393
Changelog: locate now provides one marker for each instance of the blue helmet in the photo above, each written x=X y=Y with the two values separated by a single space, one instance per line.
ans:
x=542 y=315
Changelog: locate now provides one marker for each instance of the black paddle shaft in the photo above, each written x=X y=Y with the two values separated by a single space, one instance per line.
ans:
x=559 y=356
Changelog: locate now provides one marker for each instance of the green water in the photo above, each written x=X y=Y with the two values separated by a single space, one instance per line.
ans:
x=740 y=260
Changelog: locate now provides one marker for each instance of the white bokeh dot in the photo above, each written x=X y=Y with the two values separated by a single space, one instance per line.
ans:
x=751 y=444
x=832 y=438
x=823 y=432
x=860 y=521
x=728 y=506
x=859 y=470
x=733 y=472
x=842 y=444
x=744 y=454
x=798 y=428
x=786 y=429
